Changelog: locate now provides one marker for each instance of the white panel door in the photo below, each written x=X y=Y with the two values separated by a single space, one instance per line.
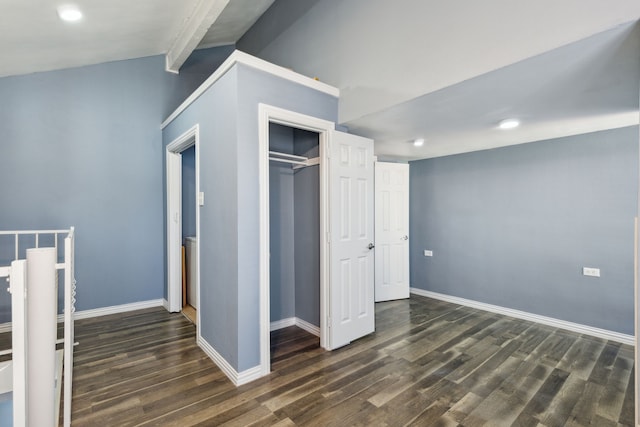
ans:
x=392 y=231
x=351 y=207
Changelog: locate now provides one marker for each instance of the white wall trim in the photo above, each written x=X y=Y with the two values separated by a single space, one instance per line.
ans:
x=173 y=178
x=312 y=329
x=103 y=311
x=549 y=321
x=270 y=114
x=283 y=323
x=295 y=321
x=5 y=327
x=249 y=375
x=237 y=378
x=238 y=57
x=115 y=309
x=220 y=361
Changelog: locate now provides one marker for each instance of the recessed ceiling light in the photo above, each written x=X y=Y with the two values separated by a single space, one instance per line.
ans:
x=509 y=124
x=69 y=13
x=418 y=142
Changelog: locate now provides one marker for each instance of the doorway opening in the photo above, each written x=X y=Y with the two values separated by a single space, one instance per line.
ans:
x=269 y=118
x=183 y=198
x=294 y=231
x=189 y=234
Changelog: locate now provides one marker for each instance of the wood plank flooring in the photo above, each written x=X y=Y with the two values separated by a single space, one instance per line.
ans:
x=429 y=363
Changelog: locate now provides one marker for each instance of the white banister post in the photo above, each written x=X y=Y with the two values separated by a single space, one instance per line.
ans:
x=18 y=281
x=42 y=313
x=69 y=309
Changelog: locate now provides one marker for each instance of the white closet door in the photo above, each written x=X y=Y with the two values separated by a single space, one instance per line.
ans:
x=351 y=238
x=392 y=231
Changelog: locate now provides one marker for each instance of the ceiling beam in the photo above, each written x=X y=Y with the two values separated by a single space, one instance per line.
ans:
x=194 y=29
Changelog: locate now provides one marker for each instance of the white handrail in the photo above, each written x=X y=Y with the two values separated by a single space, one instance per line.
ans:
x=21 y=232
x=17 y=285
x=69 y=308
x=36 y=233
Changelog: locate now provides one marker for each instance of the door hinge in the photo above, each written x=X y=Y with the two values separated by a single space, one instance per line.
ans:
x=328 y=322
x=328 y=237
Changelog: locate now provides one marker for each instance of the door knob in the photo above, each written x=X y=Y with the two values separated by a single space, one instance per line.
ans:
x=405 y=237
x=371 y=246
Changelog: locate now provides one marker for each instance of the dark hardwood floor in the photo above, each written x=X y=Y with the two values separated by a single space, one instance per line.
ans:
x=429 y=363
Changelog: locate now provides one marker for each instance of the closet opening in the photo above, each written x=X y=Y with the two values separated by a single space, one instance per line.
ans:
x=294 y=241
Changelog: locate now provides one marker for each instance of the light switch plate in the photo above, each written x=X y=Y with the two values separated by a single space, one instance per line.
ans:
x=590 y=271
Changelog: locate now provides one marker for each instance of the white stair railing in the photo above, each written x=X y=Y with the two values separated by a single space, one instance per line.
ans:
x=16 y=274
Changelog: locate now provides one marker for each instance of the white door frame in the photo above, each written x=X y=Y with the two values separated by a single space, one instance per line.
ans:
x=174 y=228
x=269 y=114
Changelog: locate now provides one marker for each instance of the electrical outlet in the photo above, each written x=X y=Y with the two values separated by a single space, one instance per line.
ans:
x=428 y=253
x=590 y=271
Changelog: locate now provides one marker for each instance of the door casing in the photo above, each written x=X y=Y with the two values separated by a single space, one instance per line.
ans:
x=269 y=114
x=174 y=217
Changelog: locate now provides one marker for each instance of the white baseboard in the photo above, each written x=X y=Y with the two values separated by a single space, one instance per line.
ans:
x=237 y=378
x=312 y=329
x=549 y=321
x=114 y=309
x=281 y=324
x=295 y=321
x=244 y=377
x=97 y=312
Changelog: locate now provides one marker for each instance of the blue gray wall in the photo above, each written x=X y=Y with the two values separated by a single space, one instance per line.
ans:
x=514 y=227
x=294 y=217
x=83 y=147
x=215 y=111
x=281 y=227
x=256 y=87
x=189 y=192
x=307 y=229
x=229 y=221
x=196 y=69
x=279 y=17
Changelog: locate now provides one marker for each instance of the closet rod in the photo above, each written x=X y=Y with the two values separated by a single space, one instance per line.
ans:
x=294 y=162
x=311 y=162
x=287 y=156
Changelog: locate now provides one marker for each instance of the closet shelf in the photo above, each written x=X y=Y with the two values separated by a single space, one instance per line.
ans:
x=297 y=161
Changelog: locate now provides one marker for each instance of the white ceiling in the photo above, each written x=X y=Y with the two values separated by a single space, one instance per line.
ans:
x=448 y=71
x=586 y=86
x=438 y=70
x=33 y=39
